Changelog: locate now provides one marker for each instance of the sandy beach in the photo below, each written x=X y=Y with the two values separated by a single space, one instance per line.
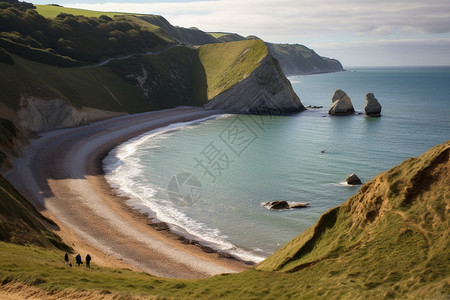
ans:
x=61 y=174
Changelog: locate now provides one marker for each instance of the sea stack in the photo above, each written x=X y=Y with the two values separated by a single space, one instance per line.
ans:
x=373 y=107
x=353 y=179
x=341 y=104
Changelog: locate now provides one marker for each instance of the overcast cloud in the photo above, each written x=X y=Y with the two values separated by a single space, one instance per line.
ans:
x=338 y=24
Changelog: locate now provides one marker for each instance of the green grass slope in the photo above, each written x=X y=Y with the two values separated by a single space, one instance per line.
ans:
x=21 y=223
x=226 y=64
x=93 y=87
x=81 y=38
x=391 y=237
x=389 y=241
x=51 y=11
x=8 y=131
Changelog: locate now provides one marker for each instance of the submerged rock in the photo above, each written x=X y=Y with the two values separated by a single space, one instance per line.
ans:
x=373 y=107
x=353 y=179
x=341 y=104
x=274 y=205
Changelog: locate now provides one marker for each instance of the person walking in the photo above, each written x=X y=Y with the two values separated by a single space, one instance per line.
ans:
x=88 y=261
x=66 y=259
x=78 y=259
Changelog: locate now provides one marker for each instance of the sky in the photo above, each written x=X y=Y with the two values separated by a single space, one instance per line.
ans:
x=356 y=32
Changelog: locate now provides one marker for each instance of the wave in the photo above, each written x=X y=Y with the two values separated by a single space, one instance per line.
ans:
x=124 y=172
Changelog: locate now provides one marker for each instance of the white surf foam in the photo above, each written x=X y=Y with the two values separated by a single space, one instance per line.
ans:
x=123 y=169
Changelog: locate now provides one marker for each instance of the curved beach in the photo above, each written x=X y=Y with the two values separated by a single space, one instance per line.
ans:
x=61 y=174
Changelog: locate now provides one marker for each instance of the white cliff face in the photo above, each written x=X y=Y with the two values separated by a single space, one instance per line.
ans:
x=373 y=107
x=341 y=104
x=265 y=91
x=39 y=115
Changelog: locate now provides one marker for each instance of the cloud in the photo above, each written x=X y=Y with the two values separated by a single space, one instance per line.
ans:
x=367 y=32
x=290 y=18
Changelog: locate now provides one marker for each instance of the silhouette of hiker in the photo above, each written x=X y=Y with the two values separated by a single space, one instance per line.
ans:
x=78 y=259
x=88 y=261
x=66 y=259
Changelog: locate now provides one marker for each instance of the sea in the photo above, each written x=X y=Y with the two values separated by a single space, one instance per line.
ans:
x=209 y=179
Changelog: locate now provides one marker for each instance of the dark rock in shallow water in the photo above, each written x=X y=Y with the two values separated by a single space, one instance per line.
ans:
x=277 y=205
x=274 y=205
x=353 y=179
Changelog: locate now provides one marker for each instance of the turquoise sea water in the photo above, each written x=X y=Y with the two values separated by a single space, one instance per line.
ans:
x=208 y=179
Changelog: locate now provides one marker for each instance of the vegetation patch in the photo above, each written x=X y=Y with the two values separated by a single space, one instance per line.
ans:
x=92 y=87
x=21 y=223
x=229 y=63
x=172 y=78
x=51 y=11
x=78 y=37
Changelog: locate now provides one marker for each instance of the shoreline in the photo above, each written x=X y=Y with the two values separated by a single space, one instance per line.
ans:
x=108 y=159
x=61 y=183
x=153 y=221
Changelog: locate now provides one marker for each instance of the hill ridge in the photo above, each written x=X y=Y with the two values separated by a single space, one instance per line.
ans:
x=407 y=206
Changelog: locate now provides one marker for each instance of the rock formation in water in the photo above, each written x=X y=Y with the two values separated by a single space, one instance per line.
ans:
x=353 y=179
x=341 y=104
x=373 y=107
x=282 y=204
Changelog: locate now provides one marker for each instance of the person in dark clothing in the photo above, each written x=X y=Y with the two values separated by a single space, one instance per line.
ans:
x=66 y=259
x=78 y=259
x=88 y=261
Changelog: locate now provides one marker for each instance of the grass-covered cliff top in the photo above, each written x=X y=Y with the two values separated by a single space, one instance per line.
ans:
x=51 y=11
x=89 y=37
x=229 y=63
x=390 y=240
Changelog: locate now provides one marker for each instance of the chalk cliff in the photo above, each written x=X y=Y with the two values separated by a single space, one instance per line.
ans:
x=40 y=115
x=341 y=104
x=265 y=91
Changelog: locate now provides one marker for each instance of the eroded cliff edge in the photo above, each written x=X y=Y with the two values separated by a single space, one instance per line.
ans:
x=259 y=88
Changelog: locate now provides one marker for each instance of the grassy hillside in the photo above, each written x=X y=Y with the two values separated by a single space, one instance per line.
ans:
x=8 y=131
x=92 y=87
x=294 y=59
x=21 y=223
x=228 y=63
x=391 y=237
x=390 y=240
x=78 y=37
x=170 y=79
x=51 y=11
